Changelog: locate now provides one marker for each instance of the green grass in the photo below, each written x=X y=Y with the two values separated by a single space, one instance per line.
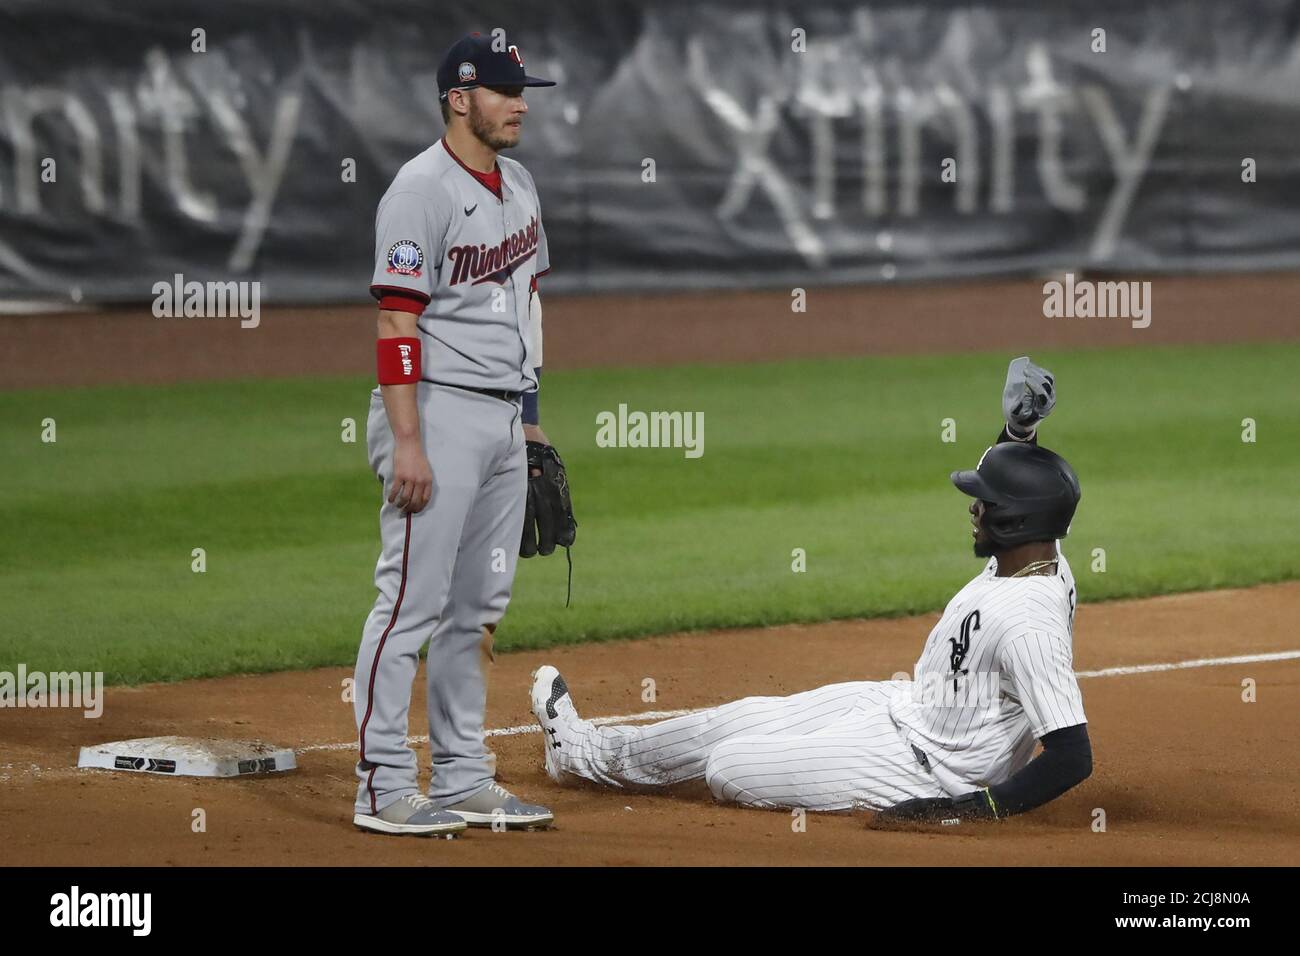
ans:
x=842 y=458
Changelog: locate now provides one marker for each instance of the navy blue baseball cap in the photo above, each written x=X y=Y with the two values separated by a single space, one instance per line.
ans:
x=471 y=62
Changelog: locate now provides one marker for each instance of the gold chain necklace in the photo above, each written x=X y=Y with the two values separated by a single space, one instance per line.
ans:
x=1033 y=567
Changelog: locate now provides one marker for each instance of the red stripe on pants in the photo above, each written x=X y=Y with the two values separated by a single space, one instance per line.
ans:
x=374 y=667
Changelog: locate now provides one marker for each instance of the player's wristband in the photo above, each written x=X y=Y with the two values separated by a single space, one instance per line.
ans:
x=398 y=361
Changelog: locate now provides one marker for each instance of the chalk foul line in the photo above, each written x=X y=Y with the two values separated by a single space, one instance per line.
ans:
x=665 y=714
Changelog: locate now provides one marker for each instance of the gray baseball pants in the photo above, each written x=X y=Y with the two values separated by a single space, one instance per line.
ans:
x=442 y=575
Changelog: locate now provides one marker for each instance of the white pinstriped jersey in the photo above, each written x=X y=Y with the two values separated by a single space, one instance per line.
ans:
x=995 y=675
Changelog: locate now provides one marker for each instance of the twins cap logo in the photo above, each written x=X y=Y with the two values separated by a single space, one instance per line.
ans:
x=466 y=72
x=405 y=258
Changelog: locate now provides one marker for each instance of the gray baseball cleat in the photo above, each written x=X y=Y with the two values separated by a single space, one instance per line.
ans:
x=411 y=815
x=495 y=804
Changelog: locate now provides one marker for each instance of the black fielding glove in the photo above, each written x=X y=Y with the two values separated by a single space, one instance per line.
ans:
x=548 y=514
x=976 y=805
x=528 y=544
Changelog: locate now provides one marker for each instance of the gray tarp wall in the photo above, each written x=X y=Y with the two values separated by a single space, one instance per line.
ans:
x=771 y=166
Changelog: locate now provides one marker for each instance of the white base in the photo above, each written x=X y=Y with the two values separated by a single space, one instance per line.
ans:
x=188 y=757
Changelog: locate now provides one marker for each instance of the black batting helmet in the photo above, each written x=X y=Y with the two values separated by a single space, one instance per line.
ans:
x=1029 y=493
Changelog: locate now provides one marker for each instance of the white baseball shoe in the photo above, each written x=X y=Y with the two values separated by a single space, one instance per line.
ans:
x=554 y=710
x=411 y=815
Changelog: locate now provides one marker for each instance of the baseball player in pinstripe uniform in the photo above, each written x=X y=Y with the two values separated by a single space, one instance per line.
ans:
x=953 y=743
x=470 y=480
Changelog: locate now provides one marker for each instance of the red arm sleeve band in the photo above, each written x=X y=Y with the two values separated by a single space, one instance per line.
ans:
x=393 y=299
x=398 y=361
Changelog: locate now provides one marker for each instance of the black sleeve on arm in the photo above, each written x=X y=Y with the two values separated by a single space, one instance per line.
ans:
x=532 y=407
x=1065 y=762
x=1005 y=435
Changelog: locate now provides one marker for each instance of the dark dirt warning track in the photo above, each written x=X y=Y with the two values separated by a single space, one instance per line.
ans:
x=1185 y=771
x=129 y=345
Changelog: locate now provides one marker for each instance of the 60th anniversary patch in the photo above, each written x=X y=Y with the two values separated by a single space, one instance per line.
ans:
x=405 y=258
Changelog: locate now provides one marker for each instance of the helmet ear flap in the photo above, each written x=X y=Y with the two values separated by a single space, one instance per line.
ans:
x=1004 y=526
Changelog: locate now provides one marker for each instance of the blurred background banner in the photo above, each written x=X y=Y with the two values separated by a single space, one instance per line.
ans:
x=688 y=145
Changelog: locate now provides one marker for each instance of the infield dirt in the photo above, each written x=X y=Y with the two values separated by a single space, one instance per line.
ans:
x=1185 y=771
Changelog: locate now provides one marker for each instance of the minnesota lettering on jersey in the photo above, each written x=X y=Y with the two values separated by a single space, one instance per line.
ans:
x=483 y=263
x=437 y=208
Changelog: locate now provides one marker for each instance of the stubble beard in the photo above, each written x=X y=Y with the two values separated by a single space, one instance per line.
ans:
x=484 y=132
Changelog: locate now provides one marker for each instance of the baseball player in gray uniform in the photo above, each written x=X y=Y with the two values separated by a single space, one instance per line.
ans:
x=956 y=741
x=453 y=434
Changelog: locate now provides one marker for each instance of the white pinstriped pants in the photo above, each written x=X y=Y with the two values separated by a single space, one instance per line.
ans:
x=832 y=748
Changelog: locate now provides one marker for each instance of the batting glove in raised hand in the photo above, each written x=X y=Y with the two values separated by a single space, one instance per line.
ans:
x=977 y=805
x=1028 y=397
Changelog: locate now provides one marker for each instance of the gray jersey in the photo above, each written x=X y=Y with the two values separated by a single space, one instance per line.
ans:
x=444 y=238
x=996 y=674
